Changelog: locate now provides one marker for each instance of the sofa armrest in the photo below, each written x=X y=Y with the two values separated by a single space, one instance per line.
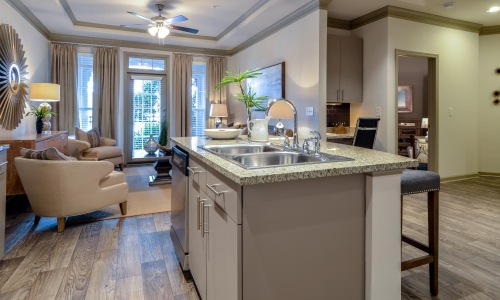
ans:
x=76 y=147
x=107 y=141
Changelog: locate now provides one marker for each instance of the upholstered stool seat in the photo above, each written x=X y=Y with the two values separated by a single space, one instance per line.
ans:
x=414 y=182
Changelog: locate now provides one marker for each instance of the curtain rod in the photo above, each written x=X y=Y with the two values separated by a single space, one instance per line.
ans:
x=80 y=44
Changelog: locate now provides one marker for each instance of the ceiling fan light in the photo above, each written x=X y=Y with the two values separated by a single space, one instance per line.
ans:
x=493 y=9
x=163 y=32
x=153 y=30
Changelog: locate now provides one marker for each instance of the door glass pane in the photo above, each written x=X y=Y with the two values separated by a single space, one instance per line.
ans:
x=84 y=90
x=146 y=113
x=198 y=101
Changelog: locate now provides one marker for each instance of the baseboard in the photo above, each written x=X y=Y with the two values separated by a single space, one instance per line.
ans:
x=458 y=178
x=490 y=174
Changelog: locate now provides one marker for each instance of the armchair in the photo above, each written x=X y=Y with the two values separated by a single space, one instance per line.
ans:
x=108 y=151
x=61 y=189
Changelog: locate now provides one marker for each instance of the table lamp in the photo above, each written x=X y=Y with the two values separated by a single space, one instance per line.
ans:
x=280 y=110
x=46 y=92
x=425 y=125
x=217 y=111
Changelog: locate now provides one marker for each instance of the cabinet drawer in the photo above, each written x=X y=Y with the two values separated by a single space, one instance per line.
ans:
x=225 y=194
x=197 y=175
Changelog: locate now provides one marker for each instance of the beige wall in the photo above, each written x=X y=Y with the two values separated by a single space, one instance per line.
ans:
x=489 y=114
x=458 y=86
x=299 y=46
x=36 y=51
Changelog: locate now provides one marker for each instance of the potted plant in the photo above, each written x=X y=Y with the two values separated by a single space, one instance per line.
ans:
x=163 y=138
x=40 y=113
x=247 y=97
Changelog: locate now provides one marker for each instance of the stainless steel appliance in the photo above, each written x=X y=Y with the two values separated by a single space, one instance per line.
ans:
x=180 y=195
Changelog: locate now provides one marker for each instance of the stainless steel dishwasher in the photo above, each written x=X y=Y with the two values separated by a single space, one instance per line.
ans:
x=180 y=210
x=3 y=179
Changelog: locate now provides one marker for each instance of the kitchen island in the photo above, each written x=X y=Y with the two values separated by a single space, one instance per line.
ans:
x=315 y=231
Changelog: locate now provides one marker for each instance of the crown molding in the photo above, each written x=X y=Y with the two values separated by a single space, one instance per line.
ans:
x=242 y=18
x=406 y=14
x=487 y=30
x=131 y=44
x=339 y=24
x=323 y=4
x=291 y=18
x=29 y=16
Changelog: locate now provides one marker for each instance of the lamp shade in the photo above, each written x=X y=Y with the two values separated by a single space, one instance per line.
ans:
x=218 y=110
x=280 y=110
x=44 y=92
x=425 y=123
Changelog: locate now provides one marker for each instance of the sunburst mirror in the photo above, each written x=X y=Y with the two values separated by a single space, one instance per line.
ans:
x=13 y=82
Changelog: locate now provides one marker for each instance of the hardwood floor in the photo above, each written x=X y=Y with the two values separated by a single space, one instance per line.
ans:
x=133 y=258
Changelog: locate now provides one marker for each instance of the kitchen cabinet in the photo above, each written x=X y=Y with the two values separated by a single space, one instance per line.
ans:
x=214 y=237
x=344 y=69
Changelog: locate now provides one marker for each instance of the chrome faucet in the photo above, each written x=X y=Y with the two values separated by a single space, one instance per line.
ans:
x=316 y=139
x=295 y=135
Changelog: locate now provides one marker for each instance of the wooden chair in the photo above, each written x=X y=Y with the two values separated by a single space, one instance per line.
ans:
x=414 y=182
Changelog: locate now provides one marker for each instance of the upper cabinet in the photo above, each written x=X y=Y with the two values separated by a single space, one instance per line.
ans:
x=345 y=69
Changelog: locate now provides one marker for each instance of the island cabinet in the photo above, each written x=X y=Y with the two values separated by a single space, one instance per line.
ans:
x=344 y=69
x=214 y=235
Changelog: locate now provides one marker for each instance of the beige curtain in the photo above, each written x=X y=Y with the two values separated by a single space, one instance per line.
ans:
x=106 y=81
x=216 y=70
x=63 y=70
x=181 y=79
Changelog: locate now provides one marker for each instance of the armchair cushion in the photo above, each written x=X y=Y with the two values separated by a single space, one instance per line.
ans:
x=103 y=152
x=48 y=154
x=92 y=136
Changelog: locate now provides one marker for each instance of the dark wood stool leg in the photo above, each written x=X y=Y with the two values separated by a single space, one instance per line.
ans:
x=433 y=227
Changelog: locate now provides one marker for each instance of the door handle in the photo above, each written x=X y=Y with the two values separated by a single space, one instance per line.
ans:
x=211 y=187
x=192 y=171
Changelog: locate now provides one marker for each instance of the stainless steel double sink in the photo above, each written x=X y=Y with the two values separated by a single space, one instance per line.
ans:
x=254 y=156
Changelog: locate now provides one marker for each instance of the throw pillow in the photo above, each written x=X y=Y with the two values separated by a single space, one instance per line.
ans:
x=49 y=154
x=92 y=136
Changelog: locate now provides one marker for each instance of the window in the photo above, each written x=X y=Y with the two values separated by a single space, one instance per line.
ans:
x=84 y=90
x=144 y=63
x=198 y=99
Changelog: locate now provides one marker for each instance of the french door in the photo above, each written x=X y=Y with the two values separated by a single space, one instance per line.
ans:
x=146 y=108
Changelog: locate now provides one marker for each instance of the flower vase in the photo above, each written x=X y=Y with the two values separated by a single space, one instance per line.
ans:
x=150 y=146
x=249 y=118
x=39 y=125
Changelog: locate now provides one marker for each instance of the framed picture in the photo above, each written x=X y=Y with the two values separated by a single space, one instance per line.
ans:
x=271 y=83
x=405 y=99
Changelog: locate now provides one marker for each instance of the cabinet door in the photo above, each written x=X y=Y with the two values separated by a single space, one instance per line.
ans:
x=351 y=69
x=333 y=69
x=197 y=240
x=224 y=256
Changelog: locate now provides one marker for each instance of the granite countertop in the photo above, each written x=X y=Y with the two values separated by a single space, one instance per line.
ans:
x=365 y=161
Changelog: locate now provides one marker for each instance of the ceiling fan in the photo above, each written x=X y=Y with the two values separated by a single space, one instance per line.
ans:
x=159 y=25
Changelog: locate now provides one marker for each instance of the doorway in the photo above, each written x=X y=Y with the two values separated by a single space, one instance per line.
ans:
x=417 y=107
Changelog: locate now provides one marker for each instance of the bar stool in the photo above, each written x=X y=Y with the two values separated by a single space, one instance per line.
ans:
x=414 y=182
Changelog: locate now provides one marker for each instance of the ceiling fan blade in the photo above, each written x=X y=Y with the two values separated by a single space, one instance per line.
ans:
x=176 y=19
x=138 y=15
x=134 y=25
x=190 y=30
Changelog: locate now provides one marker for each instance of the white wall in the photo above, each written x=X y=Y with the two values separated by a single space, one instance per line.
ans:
x=299 y=46
x=36 y=51
x=489 y=114
x=376 y=83
x=458 y=86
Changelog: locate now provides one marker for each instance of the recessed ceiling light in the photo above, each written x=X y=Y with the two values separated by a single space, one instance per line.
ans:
x=448 y=5
x=493 y=9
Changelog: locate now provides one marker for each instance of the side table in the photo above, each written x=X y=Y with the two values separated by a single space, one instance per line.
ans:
x=162 y=166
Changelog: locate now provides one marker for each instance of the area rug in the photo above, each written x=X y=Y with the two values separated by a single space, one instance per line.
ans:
x=143 y=199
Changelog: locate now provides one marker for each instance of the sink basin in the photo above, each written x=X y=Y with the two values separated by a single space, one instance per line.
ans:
x=283 y=158
x=231 y=150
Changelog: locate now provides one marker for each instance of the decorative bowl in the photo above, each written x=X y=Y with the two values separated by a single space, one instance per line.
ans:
x=223 y=133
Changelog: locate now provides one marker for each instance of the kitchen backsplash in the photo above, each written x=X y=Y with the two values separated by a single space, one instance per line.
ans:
x=338 y=114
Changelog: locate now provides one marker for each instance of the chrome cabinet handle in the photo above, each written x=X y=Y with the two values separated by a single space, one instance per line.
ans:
x=342 y=95
x=198 y=212
x=192 y=171
x=202 y=217
x=211 y=187
x=338 y=93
